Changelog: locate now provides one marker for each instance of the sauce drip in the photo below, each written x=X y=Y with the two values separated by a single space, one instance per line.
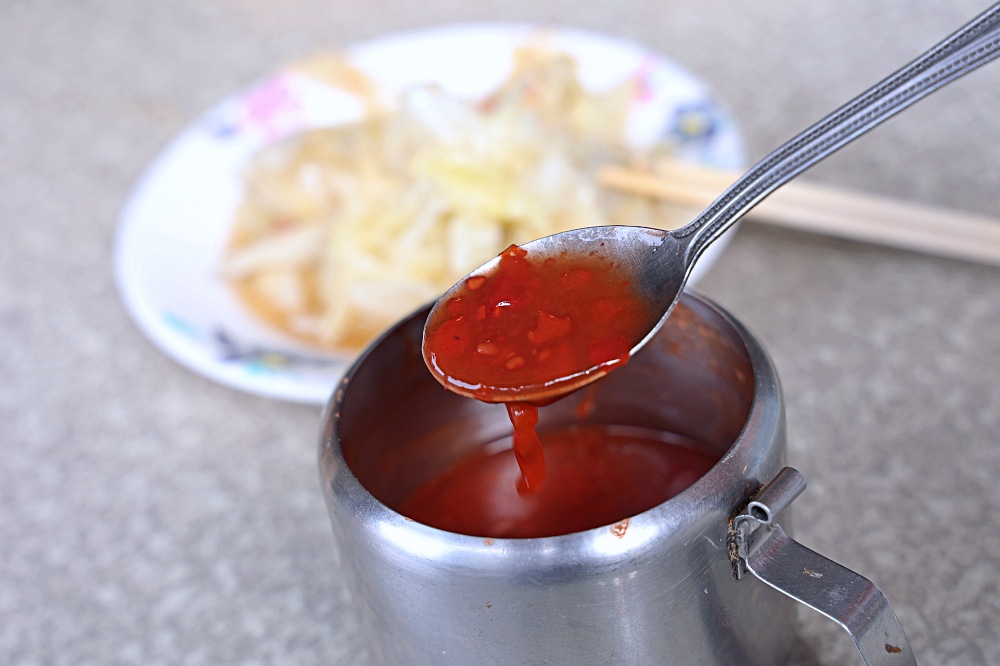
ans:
x=595 y=476
x=527 y=446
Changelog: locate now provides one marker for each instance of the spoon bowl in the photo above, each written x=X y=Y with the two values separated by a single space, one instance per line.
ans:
x=632 y=256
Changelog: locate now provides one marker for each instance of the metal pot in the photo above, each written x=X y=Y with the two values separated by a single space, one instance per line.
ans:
x=667 y=586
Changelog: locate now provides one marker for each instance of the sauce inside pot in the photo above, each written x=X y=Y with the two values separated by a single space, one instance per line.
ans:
x=593 y=476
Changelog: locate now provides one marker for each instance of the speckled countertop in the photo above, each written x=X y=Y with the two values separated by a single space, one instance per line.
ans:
x=149 y=516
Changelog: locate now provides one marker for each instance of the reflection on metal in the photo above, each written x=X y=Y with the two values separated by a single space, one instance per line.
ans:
x=847 y=598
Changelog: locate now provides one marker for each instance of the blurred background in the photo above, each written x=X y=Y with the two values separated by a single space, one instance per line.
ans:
x=148 y=515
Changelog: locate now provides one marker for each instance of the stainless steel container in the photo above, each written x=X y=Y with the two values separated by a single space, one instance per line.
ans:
x=665 y=587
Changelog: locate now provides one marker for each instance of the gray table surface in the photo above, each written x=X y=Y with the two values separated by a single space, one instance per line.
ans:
x=149 y=516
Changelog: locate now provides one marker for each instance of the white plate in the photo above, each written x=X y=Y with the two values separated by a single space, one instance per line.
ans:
x=174 y=227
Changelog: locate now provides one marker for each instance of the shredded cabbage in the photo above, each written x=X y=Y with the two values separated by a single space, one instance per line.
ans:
x=343 y=230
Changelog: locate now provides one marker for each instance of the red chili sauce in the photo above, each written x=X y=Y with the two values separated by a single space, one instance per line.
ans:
x=534 y=324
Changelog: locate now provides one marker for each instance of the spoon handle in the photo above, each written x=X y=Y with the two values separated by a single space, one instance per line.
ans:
x=974 y=45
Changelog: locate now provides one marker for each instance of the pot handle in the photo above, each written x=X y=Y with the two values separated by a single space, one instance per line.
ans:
x=758 y=545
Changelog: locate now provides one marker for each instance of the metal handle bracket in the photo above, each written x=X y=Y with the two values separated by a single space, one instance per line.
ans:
x=759 y=546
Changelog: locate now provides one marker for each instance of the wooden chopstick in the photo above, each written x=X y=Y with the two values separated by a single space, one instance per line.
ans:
x=826 y=210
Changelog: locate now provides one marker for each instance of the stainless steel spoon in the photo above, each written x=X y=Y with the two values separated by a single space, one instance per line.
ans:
x=661 y=261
